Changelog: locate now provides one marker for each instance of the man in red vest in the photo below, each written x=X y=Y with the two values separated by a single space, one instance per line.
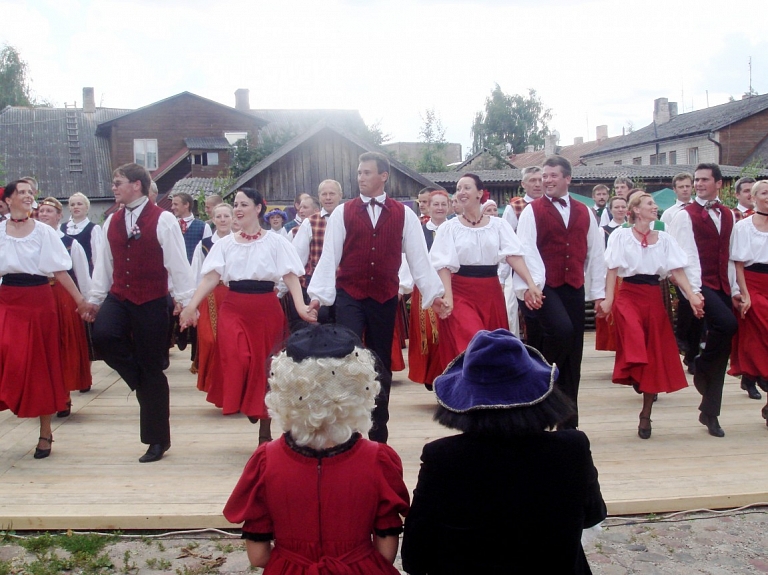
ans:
x=358 y=270
x=703 y=229
x=568 y=262
x=129 y=299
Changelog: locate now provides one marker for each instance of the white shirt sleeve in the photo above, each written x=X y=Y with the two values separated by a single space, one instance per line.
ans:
x=322 y=287
x=510 y=216
x=207 y=231
x=197 y=263
x=80 y=267
x=102 y=271
x=405 y=277
x=682 y=231
x=175 y=258
x=415 y=248
x=527 y=234
x=594 y=267
x=97 y=241
x=605 y=217
x=302 y=240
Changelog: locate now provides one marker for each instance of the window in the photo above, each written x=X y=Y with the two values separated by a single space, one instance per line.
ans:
x=617 y=163
x=234 y=137
x=673 y=158
x=206 y=159
x=637 y=161
x=659 y=159
x=693 y=156
x=145 y=153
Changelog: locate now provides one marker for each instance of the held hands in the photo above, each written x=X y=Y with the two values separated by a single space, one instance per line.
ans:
x=742 y=303
x=603 y=307
x=177 y=307
x=187 y=317
x=533 y=297
x=442 y=306
x=309 y=313
x=697 y=305
x=87 y=311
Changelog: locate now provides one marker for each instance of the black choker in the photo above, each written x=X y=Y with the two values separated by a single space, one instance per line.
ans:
x=760 y=213
x=470 y=222
x=21 y=221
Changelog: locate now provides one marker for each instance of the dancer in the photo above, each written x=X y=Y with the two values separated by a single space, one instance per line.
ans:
x=79 y=227
x=466 y=254
x=31 y=384
x=605 y=328
x=329 y=499
x=251 y=324
x=749 y=251
x=646 y=353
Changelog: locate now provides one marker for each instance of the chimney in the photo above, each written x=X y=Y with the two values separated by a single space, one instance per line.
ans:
x=672 y=110
x=530 y=149
x=242 y=102
x=89 y=101
x=577 y=141
x=550 y=145
x=660 y=111
x=601 y=132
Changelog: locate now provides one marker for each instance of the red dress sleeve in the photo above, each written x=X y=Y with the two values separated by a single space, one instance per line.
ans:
x=394 y=499
x=248 y=504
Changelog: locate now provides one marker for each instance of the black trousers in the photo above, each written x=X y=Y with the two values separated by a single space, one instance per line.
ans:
x=375 y=322
x=688 y=329
x=132 y=340
x=533 y=332
x=561 y=323
x=326 y=314
x=713 y=361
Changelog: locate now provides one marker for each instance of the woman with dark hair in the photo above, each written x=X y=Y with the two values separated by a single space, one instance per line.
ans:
x=466 y=253
x=646 y=351
x=488 y=496
x=251 y=323
x=31 y=384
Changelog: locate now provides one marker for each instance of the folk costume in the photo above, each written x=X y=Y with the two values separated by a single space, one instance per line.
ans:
x=130 y=282
x=740 y=212
x=90 y=237
x=207 y=360
x=308 y=242
x=566 y=255
x=605 y=328
x=472 y=254
x=364 y=239
x=251 y=324
x=31 y=382
x=516 y=311
x=646 y=353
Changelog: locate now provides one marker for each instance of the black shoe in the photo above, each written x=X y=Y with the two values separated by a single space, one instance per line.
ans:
x=429 y=386
x=751 y=388
x=636 y=387
x=66 y=412
x=655 y=397
x=713 y=426
x=154 y=452
x=43 y=453
x=86 y=390
x=644 y=432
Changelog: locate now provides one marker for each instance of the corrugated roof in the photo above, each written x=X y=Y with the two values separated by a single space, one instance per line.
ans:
x=573 y=153
x=207 y=143
x=194 y=186
x=688 y=124
x=35 y=142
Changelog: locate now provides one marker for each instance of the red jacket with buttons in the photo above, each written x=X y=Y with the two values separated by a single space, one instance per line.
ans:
x=563 y=250
x=139 y=274
x=371 y=257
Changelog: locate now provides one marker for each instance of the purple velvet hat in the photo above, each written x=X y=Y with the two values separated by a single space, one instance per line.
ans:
x=497 y=371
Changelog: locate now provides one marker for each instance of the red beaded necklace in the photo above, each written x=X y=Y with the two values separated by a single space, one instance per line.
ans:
x=470 y=222
x=251 y=237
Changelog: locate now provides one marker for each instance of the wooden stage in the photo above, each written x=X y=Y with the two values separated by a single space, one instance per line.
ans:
x=93 y=479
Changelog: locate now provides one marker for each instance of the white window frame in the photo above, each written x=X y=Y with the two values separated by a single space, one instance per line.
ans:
x=142 y=153
x=693 y=155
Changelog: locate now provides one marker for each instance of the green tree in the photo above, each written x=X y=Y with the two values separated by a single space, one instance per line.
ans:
x=374 y=133
x=510 y=123
x=245 y=155
x=432 y=134
x=14 y=87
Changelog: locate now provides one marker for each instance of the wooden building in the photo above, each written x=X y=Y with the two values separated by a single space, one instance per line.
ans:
x=323 y=152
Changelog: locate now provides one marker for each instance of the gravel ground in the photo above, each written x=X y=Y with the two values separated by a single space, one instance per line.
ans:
x=725 y=544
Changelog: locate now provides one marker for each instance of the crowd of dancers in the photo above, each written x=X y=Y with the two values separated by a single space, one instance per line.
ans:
x=75 y=291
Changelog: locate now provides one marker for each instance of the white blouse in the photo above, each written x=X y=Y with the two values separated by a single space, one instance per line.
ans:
x=39 y=253
x=457 y=245
x=198 y=258
x=625 y=253
x=267 y=259
x=79 y=265
x=97 y=234
x=748 y=244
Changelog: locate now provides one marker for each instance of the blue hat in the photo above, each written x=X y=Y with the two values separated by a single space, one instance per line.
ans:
x=276 y=212
x=497 y=371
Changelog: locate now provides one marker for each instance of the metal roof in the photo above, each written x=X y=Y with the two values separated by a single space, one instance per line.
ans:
x=194 y=186
x=207 y=143
x=36 y=142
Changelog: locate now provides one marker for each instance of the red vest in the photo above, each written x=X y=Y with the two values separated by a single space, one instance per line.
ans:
x=713 y=247
x=372 y=256
x=139 y=275
x=563 y=250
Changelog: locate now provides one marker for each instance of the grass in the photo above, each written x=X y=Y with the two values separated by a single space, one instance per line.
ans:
x=157 y=564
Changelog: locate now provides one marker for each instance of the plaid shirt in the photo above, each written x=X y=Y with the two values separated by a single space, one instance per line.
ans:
x=738 y=215
x=317 y=224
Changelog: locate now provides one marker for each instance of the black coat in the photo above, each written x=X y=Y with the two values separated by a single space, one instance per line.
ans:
x=515 y=505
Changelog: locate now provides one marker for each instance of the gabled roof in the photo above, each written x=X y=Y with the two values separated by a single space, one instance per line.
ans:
x=299 y=121
x=207 y=143
x=316 y=129
x=36 y=142
x=573 y=153
x=463 y=165
x=689 y=124
x=170 y=163
x=104 y=127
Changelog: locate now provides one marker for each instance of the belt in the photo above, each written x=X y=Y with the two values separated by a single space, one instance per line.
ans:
x=251 y=286
x=757 y=268
x=642 y=279
x=24 y=280
x=477 y=271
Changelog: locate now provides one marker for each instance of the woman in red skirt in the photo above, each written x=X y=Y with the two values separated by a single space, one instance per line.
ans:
x=605 y=328
x=251 y=324
x=75 y=363
x=31 y=384
x=423 y=361
x=646 y=352
x=207 y=361
x=466 y=253
x=749 y=251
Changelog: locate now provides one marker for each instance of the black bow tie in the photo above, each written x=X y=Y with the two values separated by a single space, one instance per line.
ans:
x=374 y=202
x=560 y=201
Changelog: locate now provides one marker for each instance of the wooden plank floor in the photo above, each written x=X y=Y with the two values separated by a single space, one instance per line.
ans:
x=94 y=481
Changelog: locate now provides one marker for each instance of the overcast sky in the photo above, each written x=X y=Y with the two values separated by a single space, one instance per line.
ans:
x=592 y=63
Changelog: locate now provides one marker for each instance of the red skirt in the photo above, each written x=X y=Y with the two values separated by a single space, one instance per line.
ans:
x=75 y=364
x=208 y=364
x=251 y=328
x=423 y=361
x=605 y=329
x=749 y=350
x=398 y=339
x=478 y=303
x=646 y=350
x=31 y=384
